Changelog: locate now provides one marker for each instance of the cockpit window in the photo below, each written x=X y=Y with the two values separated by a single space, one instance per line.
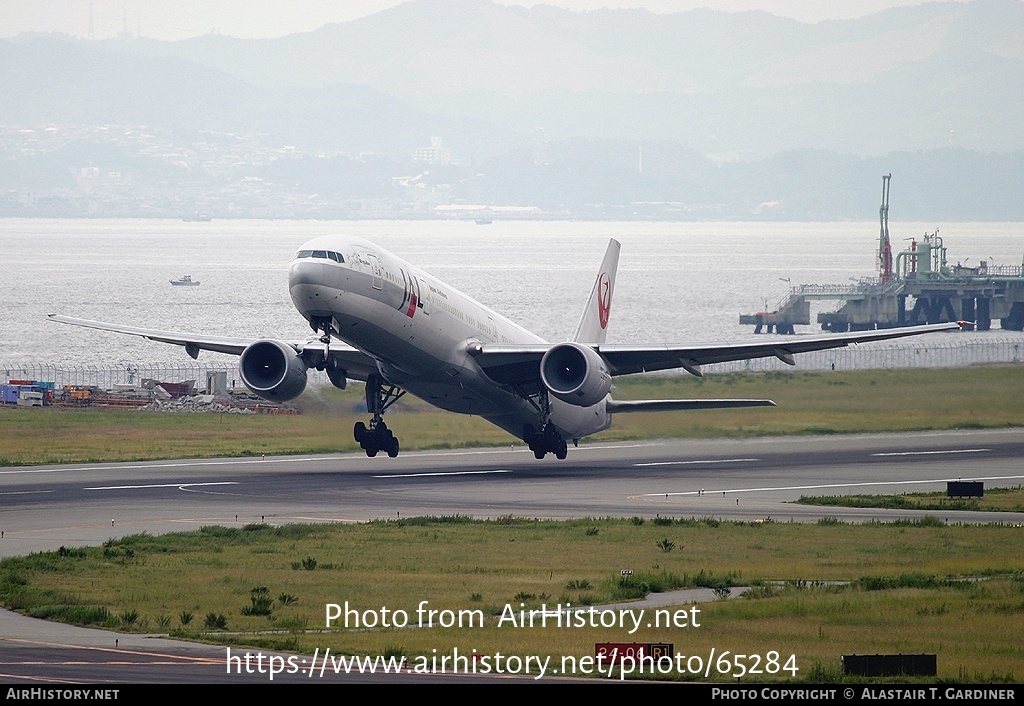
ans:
x=321 y=254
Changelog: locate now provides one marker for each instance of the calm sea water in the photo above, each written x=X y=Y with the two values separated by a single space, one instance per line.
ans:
x=677 y=282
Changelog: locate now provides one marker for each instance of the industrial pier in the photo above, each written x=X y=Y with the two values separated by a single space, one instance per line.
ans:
x=918 y=286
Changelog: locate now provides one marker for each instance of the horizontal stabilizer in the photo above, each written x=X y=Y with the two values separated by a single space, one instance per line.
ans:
x=676 y=405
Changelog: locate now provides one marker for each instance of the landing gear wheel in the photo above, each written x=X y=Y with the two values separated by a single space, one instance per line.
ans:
x=376 y=439
x=544 y=441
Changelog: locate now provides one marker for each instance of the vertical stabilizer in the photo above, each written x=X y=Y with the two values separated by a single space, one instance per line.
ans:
x=593 y=326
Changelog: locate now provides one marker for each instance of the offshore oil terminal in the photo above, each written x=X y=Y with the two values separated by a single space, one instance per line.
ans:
x=918 y=286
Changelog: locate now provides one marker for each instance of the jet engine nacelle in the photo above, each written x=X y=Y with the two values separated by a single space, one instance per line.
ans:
x=273 y=370
x=576 y=374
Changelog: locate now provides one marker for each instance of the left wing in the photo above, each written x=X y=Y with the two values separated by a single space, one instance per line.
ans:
x=356 y=364
x=520 y=364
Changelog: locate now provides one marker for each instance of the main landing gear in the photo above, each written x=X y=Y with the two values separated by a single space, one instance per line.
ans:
x=544 y=441
x=377 y=437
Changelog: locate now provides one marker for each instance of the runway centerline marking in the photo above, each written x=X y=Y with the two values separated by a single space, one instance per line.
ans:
x=686 y=463
x=441 y=473
x=182 y=486
x=931 y=453
x=712 y=491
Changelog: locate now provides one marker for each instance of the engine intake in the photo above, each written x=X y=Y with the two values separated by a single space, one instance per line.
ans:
x=273 y=370
x=576 y=374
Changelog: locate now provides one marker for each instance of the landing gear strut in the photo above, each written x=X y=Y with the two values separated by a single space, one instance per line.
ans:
x=544 y=441
x=377 y=437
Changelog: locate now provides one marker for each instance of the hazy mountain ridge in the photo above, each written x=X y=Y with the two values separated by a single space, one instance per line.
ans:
x=713 y=110
x=403 y=49
x=740 y=84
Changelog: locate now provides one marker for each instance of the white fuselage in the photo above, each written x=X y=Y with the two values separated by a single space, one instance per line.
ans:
x=419 y=329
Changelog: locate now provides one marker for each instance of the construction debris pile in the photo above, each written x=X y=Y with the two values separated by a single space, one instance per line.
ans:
x=149 y=395
x=196 y=404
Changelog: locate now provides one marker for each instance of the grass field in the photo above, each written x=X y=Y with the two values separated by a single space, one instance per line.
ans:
x=809 y=403
x=820 y=590
x=994 y=500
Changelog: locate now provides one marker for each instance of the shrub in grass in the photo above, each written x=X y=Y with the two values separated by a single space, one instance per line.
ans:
x=707 y=580
x=74 y=614
x=129 y=617
x=216 y=621
x=392 y=652
x=666 y=546
x=73 y=553
x=293 y=622
x=757 y=592
x=911 y=580
x=185 y=617
x=262 y=603
x=287 y=599
x=629 y=588
x=220 y=532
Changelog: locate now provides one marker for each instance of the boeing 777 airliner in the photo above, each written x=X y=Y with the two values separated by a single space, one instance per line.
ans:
x=398 y=329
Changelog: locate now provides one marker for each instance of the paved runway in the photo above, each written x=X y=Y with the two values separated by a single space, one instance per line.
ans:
x=46 y=507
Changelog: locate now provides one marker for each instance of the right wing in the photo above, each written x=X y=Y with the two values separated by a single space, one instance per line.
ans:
x=356 y=364
x=519 y=364
x=625 y=358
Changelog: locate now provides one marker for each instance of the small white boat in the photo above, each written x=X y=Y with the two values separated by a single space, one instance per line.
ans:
x=185 y=281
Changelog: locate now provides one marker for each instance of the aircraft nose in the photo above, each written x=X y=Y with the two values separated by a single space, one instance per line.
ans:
x=305 y=272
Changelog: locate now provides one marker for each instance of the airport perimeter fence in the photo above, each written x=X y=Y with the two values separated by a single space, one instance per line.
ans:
x=108 y=377
x=876 y=356
x=946 y=354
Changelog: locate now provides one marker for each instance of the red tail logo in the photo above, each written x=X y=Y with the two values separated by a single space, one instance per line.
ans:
x=604 y=299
